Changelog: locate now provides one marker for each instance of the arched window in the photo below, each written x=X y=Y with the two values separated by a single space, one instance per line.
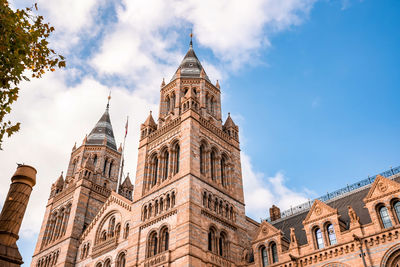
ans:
x=166 y=164
x=95 y=160
x=222 y=245
x=211 y=238
x=331 y=234
x=145 y=213
x=109 y=169
x=168 y=104
x=164 y=239
x=318 y=238
x=202 y=159
x=161 y=204
x=154 y=169
x=264 y=256
x=126 y=234
x=173 y=99
x=111 y=226
x=173 y=199
x=107 y=263
x=209 y=201
x=212 y=164
x=99 y=264
x=177 y=155
x=152 y=244
x=223 y=178
x=104 y=235
x=121 y=260
x=274 y=252
x=396 y=208
x=150 y=210
x=73 y=167
x=384 y=214
x=205 y=199
x=105 y=166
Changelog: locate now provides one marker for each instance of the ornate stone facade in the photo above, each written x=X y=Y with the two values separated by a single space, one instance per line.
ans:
x=187 y=208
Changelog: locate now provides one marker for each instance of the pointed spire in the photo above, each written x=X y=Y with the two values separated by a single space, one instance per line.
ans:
x=60 y=181
x=150 y=121
x=74 y=147
x=120 y=148
x=108 y=101
x=102 y=133
x=163 y=82
x=190 y=66
x=191 y=37
x=217 y=85
x=229 y=122
x=84 y=140
x=127 y=182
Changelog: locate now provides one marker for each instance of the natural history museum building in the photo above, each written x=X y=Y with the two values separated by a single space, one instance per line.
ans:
x=187 y=207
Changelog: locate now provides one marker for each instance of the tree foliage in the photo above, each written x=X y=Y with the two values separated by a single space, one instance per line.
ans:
x=24 y=54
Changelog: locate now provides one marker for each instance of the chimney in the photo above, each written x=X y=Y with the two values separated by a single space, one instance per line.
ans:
x=274 y=213
x=13 y=212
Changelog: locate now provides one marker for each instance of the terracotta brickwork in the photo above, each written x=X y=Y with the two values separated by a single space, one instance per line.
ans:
x=187 y=207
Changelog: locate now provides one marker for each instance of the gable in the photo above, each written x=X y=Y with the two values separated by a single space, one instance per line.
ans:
x=381 y=187
x=266 y=230
x=319 y=210
x=113 y=203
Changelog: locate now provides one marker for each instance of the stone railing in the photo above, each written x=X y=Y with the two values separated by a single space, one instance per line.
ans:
x=217 y=260
x=101 y=190
x=214 y=129
x=104 y=246
x=166 y=128
x=161 y=258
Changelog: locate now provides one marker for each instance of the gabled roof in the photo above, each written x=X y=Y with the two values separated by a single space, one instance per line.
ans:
x=102 y=132
x=190 y=66
x=127 y=182
x=60 y=181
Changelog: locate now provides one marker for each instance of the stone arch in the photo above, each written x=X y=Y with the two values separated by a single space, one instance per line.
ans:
x=391 y=257
x=100 y=227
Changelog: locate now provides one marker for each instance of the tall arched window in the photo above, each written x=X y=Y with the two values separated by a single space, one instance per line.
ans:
x=121 y=260
x=173 y=99
x=109 y=169
x=385 y=218
x=274 y=252
x=168 y=104
x=99 y=264
x=164 y=239
x=111 y=226
x=168 y=201
x=319 y=238
x=126 y=234
x=95 y=160
x=154 y=169
x=145 y=213
x=396 y=208
x=173 y=199
x=107 y=263
x=177 y=155
x=264 y=256
x=212 y=164
x=211 y=240
x=205 y=199
x=152 y=244
x=222 y=245
x=202 y=159
x=166 y=164
x=331 y=234
x=223 y=178
x=105 y=166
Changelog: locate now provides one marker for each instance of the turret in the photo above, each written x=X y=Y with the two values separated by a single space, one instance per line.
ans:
x=126 y=188
x=148 y=126
x=231 y=128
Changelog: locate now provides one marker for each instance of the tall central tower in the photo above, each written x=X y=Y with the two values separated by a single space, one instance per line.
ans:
x=189 y=177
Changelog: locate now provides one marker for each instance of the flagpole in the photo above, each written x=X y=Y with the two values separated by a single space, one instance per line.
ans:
x=122 y=157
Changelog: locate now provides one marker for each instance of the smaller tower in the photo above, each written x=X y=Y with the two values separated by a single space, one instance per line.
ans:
x=12 y=214
x=126 y=188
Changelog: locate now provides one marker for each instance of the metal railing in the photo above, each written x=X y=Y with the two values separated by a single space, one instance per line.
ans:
x=349 y=188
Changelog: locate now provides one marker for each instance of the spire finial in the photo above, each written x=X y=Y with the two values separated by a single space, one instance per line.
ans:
x=191 y=37
x=108 y=100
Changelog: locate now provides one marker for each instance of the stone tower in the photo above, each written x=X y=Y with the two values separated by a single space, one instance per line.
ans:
x=189 y=178
x=74 y=200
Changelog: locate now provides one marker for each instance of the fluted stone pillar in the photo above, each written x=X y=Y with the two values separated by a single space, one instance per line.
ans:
x=12 y=214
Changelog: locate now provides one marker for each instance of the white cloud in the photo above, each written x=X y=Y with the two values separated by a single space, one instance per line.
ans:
x=261 y=193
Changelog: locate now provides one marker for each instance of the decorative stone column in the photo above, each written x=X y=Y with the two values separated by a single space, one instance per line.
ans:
x=12 y=214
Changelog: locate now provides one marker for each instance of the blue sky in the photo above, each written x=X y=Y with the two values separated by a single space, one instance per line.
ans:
x=313 y=85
